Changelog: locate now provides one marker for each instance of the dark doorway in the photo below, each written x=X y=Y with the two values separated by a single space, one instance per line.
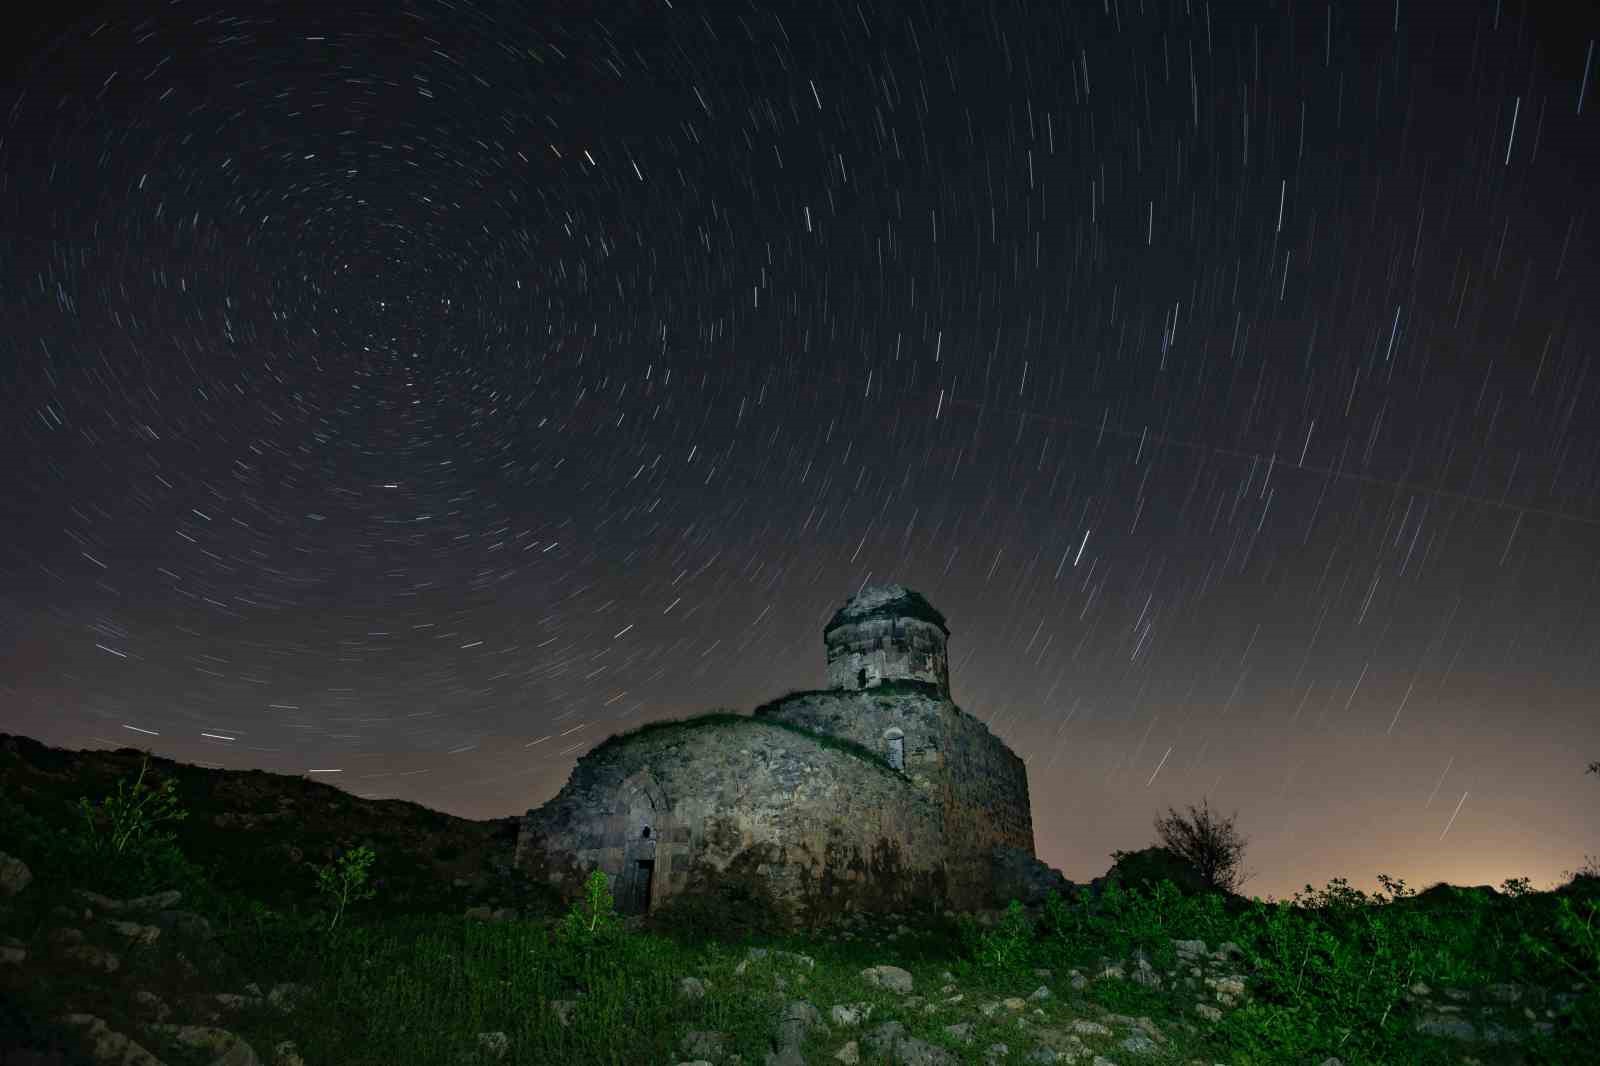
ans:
x=644 y=871
x=861 y=679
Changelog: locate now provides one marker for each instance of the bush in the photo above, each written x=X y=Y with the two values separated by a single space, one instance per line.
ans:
x=1211 y=846
x=593 y=921
x=1580 y=953
x=1332 y=973
x=1008 y=945
x=129 y=818
x=346 y=882
x=1121 y=921
x=1073 y=919
x=1148 y=868
x=162 y=867
x=588 y=934
x=117 y=848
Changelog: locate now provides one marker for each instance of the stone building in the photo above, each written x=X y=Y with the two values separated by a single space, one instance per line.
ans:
x=875 y=794
x=883 y=634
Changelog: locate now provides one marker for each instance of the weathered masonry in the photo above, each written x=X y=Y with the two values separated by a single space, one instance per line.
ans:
x=887 y=634
x=878 y=793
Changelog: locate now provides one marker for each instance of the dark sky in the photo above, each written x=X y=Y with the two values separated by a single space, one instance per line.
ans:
x=414 y=394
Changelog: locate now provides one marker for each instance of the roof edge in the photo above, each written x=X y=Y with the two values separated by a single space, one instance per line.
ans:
x=910 y=605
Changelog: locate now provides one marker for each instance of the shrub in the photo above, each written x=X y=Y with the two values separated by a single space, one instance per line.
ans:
x=1331 y=973
x=1211 y=846
x=132 y=815
x=1007 y=946
x=346 y=881
x=1072 y=920
x=1581 y=953
x=588 y=935
x=593 y=920
x=1121 y=921
x=117 y=843
x=1148 y=868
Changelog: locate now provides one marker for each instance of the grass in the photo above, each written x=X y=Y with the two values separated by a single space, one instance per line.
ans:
x=416 y=989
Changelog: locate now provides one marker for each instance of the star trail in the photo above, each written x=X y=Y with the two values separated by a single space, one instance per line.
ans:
x=414 y=394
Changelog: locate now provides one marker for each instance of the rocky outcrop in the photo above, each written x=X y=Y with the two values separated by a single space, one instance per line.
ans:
x=1014 y=874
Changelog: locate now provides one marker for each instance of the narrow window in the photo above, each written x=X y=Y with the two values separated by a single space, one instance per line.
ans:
x=897 y=752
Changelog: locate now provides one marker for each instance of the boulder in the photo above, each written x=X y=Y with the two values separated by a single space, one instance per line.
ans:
x=1016 y=875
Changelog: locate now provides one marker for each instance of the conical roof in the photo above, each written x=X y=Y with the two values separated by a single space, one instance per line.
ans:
x=885 y=601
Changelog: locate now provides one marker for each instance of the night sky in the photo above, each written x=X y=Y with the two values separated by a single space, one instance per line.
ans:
x=414 y=395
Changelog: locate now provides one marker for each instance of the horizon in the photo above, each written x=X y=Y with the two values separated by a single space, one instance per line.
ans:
x=332 y=779
x=414 y=398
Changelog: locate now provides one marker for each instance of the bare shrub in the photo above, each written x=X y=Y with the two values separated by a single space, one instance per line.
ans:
x=1212 y=845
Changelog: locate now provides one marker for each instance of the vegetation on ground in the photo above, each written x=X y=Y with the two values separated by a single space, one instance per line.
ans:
x=407 y=987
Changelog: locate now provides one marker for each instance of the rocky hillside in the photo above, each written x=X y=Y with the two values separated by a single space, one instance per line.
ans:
x=264 y=832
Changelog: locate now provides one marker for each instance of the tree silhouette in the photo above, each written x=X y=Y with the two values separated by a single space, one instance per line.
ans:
x=1594 y=768
x=1213 y=846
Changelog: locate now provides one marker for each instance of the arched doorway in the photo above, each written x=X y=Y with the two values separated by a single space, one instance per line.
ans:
x=643 y=810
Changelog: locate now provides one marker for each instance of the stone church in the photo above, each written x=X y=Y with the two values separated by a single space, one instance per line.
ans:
x=877 y=793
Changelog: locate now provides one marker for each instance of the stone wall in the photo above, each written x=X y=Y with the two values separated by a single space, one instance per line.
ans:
x=864 y=653
x=823 y=830
x=980 y=784
x=873 y=718
x=986 y=804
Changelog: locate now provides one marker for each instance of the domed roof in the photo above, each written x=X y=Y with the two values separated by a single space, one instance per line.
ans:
x=885 y=601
